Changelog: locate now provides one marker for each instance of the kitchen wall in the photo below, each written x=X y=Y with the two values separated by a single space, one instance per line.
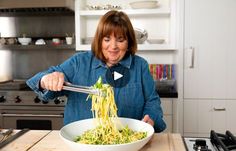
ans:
x=37 y=26
x=26 y=62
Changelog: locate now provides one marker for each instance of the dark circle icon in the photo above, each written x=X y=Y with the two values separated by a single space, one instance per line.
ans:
x=117 y=76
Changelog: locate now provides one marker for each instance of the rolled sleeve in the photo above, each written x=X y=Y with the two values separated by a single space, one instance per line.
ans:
x=154 y=110
x=68 y=68
x=34 y=84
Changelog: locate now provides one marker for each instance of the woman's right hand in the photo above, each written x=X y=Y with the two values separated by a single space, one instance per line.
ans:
x=52 y=81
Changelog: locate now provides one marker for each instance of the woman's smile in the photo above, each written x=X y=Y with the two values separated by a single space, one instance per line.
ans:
x=113 y=53
x=114 y=48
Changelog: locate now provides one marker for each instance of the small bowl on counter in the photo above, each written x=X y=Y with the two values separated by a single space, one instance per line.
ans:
x=24 y=40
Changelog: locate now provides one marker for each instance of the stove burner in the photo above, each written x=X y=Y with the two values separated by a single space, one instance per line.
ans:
x=216 y=142
x=200 y=145
x=225 y=142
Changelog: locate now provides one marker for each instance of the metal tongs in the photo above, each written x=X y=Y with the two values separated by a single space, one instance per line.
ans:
x=83 y=89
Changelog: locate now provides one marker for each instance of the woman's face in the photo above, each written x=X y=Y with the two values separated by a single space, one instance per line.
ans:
x=114 y=48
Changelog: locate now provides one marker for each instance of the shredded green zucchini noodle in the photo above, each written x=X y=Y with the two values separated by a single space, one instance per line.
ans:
x=105 y=112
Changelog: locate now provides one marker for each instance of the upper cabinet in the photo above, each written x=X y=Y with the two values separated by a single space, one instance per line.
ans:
x=209 y=41
x=155 y=18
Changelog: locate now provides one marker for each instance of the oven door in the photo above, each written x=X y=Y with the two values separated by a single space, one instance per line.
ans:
x=37 y=120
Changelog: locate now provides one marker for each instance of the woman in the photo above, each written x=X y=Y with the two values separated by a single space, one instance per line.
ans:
x=114 y=45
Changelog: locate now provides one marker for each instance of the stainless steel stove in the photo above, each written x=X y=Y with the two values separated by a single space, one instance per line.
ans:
x=216 y=142
x=21 y=108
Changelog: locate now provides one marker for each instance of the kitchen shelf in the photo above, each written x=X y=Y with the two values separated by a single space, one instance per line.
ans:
x=158 y=22
x=130 y=12
x=35 y=14
x=36 y=47
x=141 y=47
x=155 y=47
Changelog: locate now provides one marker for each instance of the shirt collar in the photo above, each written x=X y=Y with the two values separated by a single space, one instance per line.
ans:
x=97 y=63
x=126 y=62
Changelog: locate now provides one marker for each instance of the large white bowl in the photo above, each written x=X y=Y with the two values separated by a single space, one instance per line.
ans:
x=69 y=132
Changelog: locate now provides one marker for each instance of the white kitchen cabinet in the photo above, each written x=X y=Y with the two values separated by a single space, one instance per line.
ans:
x=210 y=49
x=230 y=118
x=158 y=22
x=202 y=116
x=167 y=106
x=209 y=63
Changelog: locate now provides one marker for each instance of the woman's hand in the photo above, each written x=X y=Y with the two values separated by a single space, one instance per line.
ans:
x=148 y=120
x=52 y=81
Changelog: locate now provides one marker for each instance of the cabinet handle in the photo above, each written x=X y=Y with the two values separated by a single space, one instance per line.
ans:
x=219 y=109
x=190 y=57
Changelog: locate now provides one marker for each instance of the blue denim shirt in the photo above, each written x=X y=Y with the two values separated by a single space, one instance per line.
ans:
x=134 y=100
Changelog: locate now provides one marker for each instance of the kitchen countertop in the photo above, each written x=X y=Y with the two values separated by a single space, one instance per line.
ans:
x=46 y=140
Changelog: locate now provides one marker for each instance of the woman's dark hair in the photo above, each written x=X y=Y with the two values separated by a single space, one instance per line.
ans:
x=119 y=23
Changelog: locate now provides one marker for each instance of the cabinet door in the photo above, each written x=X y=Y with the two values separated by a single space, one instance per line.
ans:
x=168 y=113
x=209 y=42
x=219 y=115
x=197 y=117
x=202 y=116
x=231 y=112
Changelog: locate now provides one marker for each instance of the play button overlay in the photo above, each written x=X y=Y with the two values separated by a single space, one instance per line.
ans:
x=117 y=76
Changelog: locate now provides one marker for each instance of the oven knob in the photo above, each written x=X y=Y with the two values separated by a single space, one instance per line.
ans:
x=18 y=100
x=2 y=99
x=57 y=101
x=37 y=100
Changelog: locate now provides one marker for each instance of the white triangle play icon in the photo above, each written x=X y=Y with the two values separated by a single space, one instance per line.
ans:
x=117 y=75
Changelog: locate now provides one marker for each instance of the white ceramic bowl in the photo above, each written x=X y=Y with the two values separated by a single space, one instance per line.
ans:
x=144 y=4
x=155 y=41
x=24 y=40
x=69 y=132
